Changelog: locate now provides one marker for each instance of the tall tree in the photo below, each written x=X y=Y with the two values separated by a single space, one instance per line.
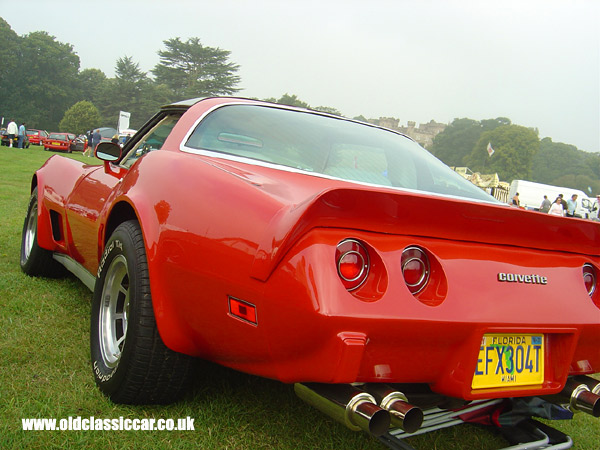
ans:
x=80 y=118
x=458 y=139
x=191 y=69
x=514 y=148
x=47 y=75
x=133 y=91
x=9 y=81
x=90 y=84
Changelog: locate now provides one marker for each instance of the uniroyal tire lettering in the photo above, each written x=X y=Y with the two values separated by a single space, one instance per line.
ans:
x=116 y=243
x=102 y=377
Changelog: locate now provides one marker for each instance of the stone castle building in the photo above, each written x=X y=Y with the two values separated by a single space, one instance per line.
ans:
x=423 y=134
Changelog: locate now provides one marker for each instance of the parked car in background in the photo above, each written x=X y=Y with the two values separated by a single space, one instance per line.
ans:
x=36 y=136
x=65 y=142
x=79 y=144
x=322 y=251
x=4 y=138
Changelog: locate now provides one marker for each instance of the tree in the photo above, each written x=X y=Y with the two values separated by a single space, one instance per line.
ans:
x=133 y=91
x=47 y=80
x=191 y=69
x=80 y=118
x=10 y=58
x=328 y=110
x=458 y=139
x=556 y=159
x=90 y=84
x=289 y=100
x=514 y=148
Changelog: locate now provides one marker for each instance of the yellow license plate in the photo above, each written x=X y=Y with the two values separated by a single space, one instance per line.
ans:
x=57 y=143
x=507 y=360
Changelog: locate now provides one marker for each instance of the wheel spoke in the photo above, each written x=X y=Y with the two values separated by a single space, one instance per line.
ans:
x=114 y=311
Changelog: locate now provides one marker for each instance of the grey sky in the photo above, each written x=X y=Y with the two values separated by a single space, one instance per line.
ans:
x=533 y=61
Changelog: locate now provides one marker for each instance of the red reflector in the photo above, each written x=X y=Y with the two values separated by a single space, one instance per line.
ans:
x=352 y=259
x=242 y=310
x=589 y=278
x=415 y=269
x=414 y=272
x=351 y=266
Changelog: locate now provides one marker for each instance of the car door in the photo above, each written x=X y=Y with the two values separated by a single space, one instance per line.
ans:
x=91 y=193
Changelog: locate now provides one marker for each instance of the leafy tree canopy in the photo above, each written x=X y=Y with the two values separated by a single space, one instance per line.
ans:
x=293 y=100
x=80 y=118
x=191 y=69
x=458 y=139
x=514 y=148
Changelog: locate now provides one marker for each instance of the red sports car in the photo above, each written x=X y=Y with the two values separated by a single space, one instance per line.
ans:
x=322 y=251
x=36 y=136
x=64 y=142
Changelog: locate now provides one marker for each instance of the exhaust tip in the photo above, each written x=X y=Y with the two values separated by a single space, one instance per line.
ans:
x=412 y=421
x=380 y=423
x=588 y=402
x=403 y=415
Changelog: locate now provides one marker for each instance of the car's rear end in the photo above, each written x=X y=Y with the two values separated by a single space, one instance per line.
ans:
x=36 y=136
x=405 y=274
x=57 y=142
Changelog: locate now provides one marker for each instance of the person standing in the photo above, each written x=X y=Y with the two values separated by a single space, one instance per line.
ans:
x=546 y=204
x=96 y=137
x=21 y=136
x=515 y=200
x=557 y=208
x=11 y=132
x=572 y=206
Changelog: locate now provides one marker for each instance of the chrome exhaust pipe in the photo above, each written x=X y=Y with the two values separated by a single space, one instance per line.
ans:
x=591 y=383
x=580 y=397
x=403 y=414
x=350 y=406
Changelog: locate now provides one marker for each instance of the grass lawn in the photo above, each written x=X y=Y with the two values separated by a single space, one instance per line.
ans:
x=45 y=371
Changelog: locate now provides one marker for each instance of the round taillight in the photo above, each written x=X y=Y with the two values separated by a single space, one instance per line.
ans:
x=352 y=260
x=589 y=278
x=415 y=269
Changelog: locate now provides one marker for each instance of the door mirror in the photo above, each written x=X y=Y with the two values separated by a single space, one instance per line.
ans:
x=108 y=151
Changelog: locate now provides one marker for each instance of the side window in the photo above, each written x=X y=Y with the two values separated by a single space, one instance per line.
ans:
x=153 y=140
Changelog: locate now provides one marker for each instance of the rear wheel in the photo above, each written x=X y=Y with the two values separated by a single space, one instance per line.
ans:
x=131 y=364
x=35 y=260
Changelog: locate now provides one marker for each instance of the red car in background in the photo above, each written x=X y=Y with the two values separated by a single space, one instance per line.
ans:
x=65 y=142
x=36 y=136
x=317 y=250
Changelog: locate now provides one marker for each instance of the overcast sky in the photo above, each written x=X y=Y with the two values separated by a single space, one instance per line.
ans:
x=533 y=61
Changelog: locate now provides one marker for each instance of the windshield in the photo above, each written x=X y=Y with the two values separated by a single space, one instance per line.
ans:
x=330 y=146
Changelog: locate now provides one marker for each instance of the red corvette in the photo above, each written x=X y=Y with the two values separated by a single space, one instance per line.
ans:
x=321 y=251
x=63 y=142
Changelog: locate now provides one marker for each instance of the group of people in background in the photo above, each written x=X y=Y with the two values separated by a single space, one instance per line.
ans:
x=93 y=138
x=13 y=131
x=560 y=207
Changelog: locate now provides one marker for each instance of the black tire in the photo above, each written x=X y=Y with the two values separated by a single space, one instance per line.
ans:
x=130 y=362
x=35 y=260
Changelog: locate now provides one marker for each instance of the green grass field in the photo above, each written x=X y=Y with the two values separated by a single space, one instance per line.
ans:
x=45 y=372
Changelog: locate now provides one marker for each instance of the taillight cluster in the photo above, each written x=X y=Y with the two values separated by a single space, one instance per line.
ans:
x=592 y=282
x=360 y=266
x=352 y=263
x=415 y=269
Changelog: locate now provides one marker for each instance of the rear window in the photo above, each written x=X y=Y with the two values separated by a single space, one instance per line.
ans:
x=57 y=136
x=330 y=146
